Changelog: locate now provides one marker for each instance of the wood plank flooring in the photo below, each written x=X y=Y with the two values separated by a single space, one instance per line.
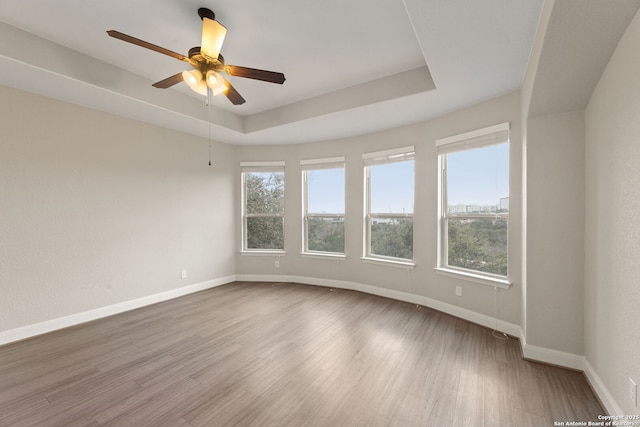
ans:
x=264 y=354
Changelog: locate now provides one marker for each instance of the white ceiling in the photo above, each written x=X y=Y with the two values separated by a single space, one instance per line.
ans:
x=352 y=67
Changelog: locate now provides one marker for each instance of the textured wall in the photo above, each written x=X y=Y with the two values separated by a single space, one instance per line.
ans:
x=612 y=296
x=96 y=209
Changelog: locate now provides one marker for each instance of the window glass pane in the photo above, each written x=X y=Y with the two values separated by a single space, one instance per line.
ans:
x=265 y=233
x=326 y=234
x=478 y=244
x=392 y=187
x=392 y=237
x=478 y=180
x=264 y=192
x=325 y=191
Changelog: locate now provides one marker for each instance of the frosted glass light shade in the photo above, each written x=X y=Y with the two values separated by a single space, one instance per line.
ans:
x=194 y=79
x=216 y=83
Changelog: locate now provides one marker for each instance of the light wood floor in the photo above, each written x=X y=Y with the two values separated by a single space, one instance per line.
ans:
x=262 y=354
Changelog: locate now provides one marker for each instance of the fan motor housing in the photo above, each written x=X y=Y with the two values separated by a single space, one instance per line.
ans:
x=203 y=12
x=203 y=62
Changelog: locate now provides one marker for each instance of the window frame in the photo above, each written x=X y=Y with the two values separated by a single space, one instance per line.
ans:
x=261 y=167
x=485 y=137
x=374 y=159
x=319 y=164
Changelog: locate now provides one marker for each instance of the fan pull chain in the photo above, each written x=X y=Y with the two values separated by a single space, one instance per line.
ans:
x=209 y=121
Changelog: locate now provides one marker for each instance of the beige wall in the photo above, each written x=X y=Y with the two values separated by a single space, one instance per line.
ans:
x=555 y=230
x=612 y=295
x=422 y=280
x=97 y=209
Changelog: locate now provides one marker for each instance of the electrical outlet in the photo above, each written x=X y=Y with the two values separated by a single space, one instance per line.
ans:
x=633 y=392
x=183 y=274
x=277 y=263
x=459 y=291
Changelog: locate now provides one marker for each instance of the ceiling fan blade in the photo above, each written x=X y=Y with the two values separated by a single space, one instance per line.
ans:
x=213 y=34
x=253 y=73
x=147 y=45
x=233 y=95
x=169 y=81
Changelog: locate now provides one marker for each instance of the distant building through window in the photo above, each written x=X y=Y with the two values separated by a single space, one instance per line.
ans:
x=503 y=205
x=474 y=202
x=323 y=206
x=389 y=201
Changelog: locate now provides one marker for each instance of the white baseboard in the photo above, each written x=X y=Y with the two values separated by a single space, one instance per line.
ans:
x=463 y=313
x=29 y=331
x=606 y=398
x=553 y=357
x=573 y=361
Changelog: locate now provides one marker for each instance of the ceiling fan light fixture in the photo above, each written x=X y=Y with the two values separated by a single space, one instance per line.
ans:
x=216 y=83
x=205 y=59
x=213 y=34
x=211 y=79
x=193 y=78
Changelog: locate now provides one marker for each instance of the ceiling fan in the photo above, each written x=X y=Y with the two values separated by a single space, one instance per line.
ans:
x=207 y=62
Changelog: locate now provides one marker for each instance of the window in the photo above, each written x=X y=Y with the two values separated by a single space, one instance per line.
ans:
x=474 y=202
x=262 y=206
x=389 y=193
x=323 y=210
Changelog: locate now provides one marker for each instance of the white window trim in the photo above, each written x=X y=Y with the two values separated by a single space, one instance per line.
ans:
x=261 y=166
x=491 y=135
x=324 y=255
x=269 y=166
x=389 y=261
x=484 y=137
x=316 y=164
x=388 y=156
x=264 y=252
x=472 y=276
x=327 y=163
x=378 y=158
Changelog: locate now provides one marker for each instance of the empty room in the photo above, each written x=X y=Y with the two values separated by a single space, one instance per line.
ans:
x=353 y=213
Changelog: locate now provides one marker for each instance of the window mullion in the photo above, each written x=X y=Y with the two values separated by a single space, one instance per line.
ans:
x=369 y=214
x=264 y=215
x=444 y=245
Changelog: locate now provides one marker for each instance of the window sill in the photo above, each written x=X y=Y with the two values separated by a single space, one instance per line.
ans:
x=476 y=278
x=389 y=262
x=263 y=253
x=321 y=255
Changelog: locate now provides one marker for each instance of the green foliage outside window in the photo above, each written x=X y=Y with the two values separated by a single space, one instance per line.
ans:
x=265 y=233
x=392 y=237
x=265 y=210
x=478 y=244
x=265 y=192
x=326 y=234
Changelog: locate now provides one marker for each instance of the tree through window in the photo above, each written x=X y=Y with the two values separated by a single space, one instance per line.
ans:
x=389 y=200
x=474 y=201
x=263 y=206
x=323 y=209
